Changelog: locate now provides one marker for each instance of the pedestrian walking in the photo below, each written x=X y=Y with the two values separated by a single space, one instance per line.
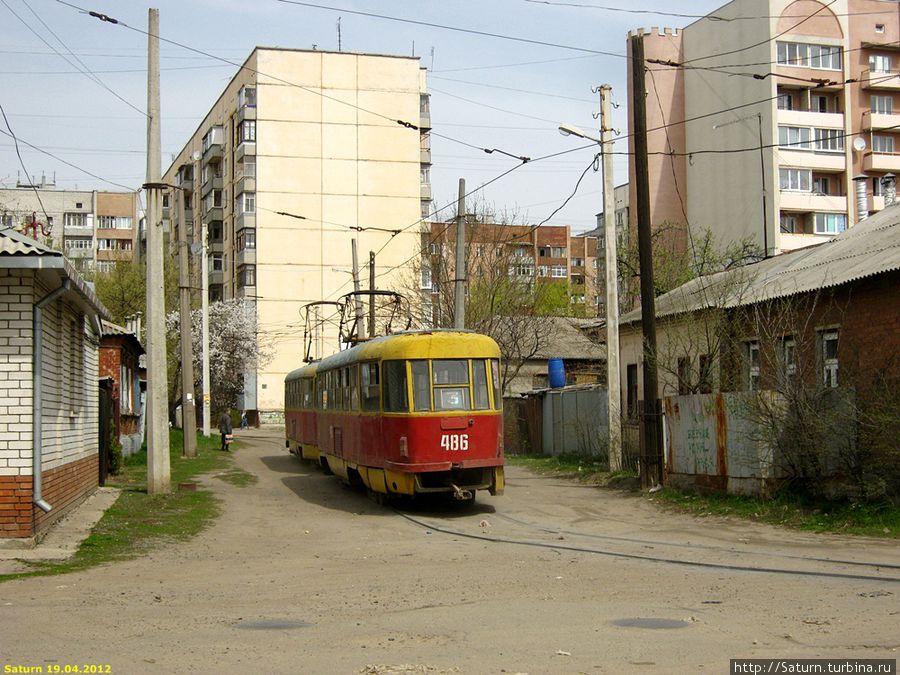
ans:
x=245 y=423
x=225 y=429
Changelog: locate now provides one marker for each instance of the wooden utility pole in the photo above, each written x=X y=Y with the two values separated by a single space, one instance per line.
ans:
x=610 y=236
x=188 y=404
x=158 y=463
x=459 y=272
x=371 y=295
x=651 y=460
x=204 y=327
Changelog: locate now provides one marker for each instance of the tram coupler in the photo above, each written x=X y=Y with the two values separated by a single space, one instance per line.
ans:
x=459 y=493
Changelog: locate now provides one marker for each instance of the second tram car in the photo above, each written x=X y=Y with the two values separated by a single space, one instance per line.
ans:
x=404 y=414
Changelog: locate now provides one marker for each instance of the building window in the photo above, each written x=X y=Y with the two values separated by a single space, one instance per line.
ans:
x=751 y=365
x=877 y=189
x=631 y=390
x=822 y=57
x=424 y=103
x=543 y=270
x=880 y=63
x=821 y=185
x=795 y=180
x=75 y=219
x=829 y=140
x=246 y=275
x=577 y=262
x=544 y=252
x=794 y=138
x=426 y=278
x=212 y=137
x=879 y=28
x=558 y=271
x=248 y=167
x=829 y=355
x=114 y=222
x=785 y=102
x=215 y=263
x=246 y=203
x=684 y=375
x=246 y=132
x=246 y=239
x=215 y=232
x=882 y=105
x=425 y=175
x=247 y=97
x=830 y=223
x=557 y=252
x=883 y=144
x=521 y=270
x=78 y=243
x=818 y=103
x=788 y=362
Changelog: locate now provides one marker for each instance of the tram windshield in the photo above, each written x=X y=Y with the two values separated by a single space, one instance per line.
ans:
x=452 y=384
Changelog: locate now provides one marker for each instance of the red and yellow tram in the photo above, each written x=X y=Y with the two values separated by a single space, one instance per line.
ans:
x=404 y=414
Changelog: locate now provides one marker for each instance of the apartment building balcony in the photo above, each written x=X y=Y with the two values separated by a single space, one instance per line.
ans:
x=425 y=156
x=86 y=231
x=426 y=191
x=791 y=242
x=808 y=118
x=212 y=183
x=810 y=201
x=245 y=183
x=875 y=121
x=216 y=277
x=185 y=178
x=243 y=220
x=831 y=162
x=873 y=79
x=881 y=161
x=245 y=257
x=213 y=153
x=246 y=112
x=214 y=213
x=79 y=253
x=245 y=148
x=876 y=203
x=216 y=247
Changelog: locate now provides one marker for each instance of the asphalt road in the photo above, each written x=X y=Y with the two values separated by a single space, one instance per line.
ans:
x=303 y=575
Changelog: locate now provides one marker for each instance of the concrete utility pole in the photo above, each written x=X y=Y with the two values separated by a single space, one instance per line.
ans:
x=158 y=471
x=188 y=405
x=459 y=296
x=652 y=468
x=357 y=299
x=371 y=295
x=204 y=326
x=610 y=235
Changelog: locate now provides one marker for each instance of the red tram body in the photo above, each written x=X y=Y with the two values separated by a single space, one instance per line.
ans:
x=403 y=414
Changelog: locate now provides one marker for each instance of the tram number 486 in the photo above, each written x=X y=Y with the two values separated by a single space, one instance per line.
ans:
x=454 y=442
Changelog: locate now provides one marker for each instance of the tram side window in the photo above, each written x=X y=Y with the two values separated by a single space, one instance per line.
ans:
x=321 y=393
x=479 y=382
x=307 y=395
x=345 y=387
x=421 y=386
x=370 y=386
x=495 y=380
x=394 y=382
x=451 y=372
x=354 y=388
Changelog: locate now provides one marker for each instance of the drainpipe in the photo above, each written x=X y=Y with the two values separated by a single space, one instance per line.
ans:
x=37 y=323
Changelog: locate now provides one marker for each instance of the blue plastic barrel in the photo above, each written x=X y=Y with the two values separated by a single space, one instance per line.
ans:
x=556 y=373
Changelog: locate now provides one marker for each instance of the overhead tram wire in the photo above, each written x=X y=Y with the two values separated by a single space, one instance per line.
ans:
x=83 y=69
x=409 y=125
x=70 y=164
x=758 y=44
x=22 y=164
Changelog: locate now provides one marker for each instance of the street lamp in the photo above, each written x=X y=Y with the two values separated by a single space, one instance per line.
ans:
x=613 y=383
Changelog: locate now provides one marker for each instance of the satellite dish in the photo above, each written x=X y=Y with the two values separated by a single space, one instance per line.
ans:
x=196 y=155
x=859 y=143
x=196 y=249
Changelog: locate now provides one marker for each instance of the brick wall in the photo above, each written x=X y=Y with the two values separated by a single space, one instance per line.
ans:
x=69 y=412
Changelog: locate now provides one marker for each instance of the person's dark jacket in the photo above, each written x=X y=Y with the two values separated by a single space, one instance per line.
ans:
x=225 y=424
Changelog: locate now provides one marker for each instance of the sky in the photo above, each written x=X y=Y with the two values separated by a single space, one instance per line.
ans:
x=75 y=86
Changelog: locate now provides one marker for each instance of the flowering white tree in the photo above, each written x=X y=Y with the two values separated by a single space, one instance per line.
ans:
x=235 y=348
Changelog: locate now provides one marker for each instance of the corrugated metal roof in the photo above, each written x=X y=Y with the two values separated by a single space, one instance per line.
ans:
x=568 y=341
x=15 y=243
x=870 y=248
x=112 y=329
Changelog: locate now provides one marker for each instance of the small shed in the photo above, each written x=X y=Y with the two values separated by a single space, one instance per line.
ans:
x=120 y=355
x=49 y=337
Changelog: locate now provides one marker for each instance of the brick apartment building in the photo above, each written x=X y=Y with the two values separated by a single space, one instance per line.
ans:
x=94 y=229
x=815 y=84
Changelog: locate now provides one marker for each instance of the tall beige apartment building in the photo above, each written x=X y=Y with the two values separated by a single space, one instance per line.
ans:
x=816 y=82
x=302 y=152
